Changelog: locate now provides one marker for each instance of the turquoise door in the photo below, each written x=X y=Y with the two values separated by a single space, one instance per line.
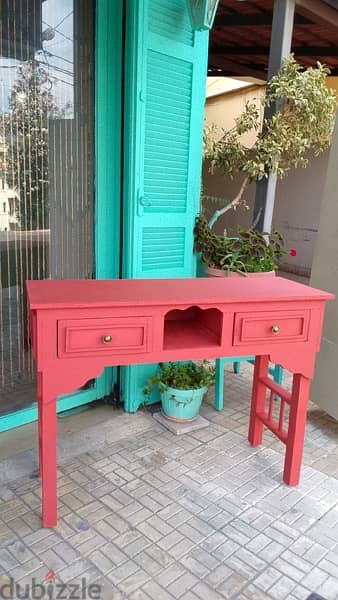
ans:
x=78 y=235
x=166 y=64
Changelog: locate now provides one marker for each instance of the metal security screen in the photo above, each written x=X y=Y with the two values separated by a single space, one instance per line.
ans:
x=46 y=166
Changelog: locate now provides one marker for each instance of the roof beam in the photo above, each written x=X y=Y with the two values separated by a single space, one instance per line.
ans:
x=264 y=50
x=319 y=12
x=250 y=20
x=230 y=67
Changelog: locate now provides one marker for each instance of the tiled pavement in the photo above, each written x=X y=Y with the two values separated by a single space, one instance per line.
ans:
x=198 y=517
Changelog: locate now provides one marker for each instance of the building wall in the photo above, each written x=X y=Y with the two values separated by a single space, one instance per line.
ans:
x=324 y=389
x=8 y=208
x=223 y=108
x=298 y=195
x=297 y=210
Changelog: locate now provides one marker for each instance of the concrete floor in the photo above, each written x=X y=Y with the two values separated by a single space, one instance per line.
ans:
x=148 y=515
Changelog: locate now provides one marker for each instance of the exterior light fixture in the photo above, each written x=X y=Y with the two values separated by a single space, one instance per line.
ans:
x=202 y=13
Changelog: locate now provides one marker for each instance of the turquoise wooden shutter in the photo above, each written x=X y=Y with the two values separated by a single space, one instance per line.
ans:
x=166 y=65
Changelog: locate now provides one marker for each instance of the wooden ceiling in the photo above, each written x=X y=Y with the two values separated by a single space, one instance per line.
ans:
x=240 y=38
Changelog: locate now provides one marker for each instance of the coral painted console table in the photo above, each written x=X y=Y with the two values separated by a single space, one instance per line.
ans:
x=79 y=327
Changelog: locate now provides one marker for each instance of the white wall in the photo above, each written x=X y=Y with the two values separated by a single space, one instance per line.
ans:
x=297 y=210
x=324 y=390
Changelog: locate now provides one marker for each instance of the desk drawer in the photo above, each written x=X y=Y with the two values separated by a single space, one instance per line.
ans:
x=272 y=327
x=97 y=337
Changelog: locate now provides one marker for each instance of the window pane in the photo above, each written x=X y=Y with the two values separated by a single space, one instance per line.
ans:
x=46 y=165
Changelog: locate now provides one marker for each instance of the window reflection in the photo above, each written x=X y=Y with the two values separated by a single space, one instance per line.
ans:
x=46 y=158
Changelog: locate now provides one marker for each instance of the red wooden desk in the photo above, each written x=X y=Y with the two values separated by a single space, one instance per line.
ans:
x=80 y=327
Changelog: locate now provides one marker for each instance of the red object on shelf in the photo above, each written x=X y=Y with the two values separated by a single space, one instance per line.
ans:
x=79 y=327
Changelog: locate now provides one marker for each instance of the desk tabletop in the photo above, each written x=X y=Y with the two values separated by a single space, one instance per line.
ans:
x=80 y=293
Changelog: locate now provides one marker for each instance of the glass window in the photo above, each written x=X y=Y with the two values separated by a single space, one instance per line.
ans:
x=46 y=165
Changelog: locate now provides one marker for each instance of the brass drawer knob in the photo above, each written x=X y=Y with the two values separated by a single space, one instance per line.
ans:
x=107 y=339
x=275 y=329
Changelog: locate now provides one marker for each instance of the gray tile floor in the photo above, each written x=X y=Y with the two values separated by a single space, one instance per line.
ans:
x=204 y=516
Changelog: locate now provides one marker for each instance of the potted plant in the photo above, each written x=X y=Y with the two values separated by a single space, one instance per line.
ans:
x=182 y=386
x=300 y=121
x=250 y=253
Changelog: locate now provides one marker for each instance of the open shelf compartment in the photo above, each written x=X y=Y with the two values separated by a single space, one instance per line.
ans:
x=192 y=327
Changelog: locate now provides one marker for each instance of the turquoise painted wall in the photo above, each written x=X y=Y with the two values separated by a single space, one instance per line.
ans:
x=166 y=66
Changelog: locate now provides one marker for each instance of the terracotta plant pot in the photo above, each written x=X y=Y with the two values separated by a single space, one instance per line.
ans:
x=212 y=272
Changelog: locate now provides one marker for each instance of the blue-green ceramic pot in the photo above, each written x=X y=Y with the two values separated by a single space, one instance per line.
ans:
x=182 y=405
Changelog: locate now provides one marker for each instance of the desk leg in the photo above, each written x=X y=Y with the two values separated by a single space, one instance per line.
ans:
x=296 y=430
x=47 y=454
x=39 y=395
x=258 y=400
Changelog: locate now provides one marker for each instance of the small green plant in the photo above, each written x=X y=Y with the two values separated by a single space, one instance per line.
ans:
x=181 y=376
x=250 y=252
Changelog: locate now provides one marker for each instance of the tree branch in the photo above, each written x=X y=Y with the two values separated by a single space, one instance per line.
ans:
x=218 y=213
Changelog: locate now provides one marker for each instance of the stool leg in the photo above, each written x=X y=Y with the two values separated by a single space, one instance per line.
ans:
x=237 y=366
x=296 y=430
x=258 y=400
x=219 y=385
x=47 y=418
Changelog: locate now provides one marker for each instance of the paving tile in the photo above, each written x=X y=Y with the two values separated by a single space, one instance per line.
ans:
x=27 y=569
x=162 y=557
x=137 y=595
x=315 y=578
x=194 y=566
x=74 y=570
x=66 y=552
x=190 y=532
x=182 y=548
x=251 y=592
x=251 y=559
x=267 y=578
x=171 y=574
x=170 y=540
x=159 y=524
x=218 y=575
x=148 y=564
x=232 y=585
x=134 y=582
x=225 y=550
x=328 y=589
x=301 y=593
x=315 y=553
x=189 y=596
x=271 y=551
x=123 y=572
x=101 y=561
x=181 y=585
x=204 y=592
x=7 y=560
x=156 y=592
x=282 y=589
x=204 y=557
x=114 y=554
x=213 y=541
